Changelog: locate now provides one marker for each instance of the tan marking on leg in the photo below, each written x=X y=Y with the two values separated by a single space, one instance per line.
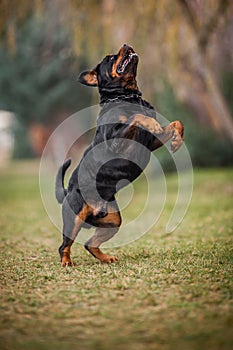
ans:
x=104 y=258
x=112 y=220
x=174 y=130
x=123 y=119
x=108 y=227
x=148 y=123
x=101 y=235
x=178 y=135
x=66 y=261
x=86 y=210
x=80 y=218
x=179 y=127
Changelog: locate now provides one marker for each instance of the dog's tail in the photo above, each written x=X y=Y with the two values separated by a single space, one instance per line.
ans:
x=60 y=191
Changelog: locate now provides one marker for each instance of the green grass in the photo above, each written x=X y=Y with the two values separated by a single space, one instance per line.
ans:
x=166 y=292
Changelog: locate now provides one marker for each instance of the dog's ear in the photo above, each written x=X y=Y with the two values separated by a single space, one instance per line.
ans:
x=88 y=77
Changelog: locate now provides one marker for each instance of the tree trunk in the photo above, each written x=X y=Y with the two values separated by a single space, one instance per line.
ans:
x=212 y=98
x=216 y=106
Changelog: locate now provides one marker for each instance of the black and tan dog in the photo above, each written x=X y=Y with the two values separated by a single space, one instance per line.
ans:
x=125 y=120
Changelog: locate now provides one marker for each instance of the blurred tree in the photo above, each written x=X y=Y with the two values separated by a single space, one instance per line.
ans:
x=37 y=78
x=203 y=19
x=9 y=19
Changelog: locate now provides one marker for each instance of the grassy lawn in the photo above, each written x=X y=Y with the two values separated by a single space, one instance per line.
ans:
x=166 y=292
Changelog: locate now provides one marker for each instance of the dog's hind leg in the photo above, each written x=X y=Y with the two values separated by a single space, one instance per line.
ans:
x=108 y=227
x=101 y=235
x=72 y=226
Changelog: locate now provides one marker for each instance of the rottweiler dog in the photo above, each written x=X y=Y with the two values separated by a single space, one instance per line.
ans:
x=127 y=132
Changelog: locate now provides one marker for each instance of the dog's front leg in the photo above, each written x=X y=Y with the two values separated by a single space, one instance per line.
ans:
x=148 y=123
x=132 y=129
x=174 y=131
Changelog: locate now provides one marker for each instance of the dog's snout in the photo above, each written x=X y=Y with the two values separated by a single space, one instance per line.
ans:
x=128 y=48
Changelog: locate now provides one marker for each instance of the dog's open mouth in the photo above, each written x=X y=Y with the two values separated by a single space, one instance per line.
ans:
x=125 y=61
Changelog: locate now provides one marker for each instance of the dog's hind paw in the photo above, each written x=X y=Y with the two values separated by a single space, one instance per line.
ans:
x=108 y=259
x=98 y=254
x=67 y=263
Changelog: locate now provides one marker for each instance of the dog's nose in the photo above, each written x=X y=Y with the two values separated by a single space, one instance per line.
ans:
x=127 y=47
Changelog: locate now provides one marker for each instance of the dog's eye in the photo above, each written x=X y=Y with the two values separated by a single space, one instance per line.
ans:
x=112 y=58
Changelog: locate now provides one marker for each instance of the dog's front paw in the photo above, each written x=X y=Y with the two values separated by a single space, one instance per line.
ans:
x=176 y=142
x=178 y=136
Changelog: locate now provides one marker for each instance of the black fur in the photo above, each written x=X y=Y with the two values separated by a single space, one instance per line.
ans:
x=118 y=158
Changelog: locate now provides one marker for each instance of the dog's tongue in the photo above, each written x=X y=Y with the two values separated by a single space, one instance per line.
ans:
x=122 y=66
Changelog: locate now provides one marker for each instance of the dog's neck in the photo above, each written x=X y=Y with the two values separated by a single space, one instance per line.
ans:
x=114 y=95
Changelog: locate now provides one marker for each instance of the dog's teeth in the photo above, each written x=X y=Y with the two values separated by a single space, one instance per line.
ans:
x=123 y=65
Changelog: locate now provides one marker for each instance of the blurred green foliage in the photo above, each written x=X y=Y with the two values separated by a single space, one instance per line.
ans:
x=40 y=77
x=22 y=147
x=38 y=80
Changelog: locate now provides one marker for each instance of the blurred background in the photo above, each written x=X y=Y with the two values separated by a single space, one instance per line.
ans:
x=185 y=70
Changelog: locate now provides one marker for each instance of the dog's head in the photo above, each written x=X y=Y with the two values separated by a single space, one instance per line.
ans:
x=114 y=71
